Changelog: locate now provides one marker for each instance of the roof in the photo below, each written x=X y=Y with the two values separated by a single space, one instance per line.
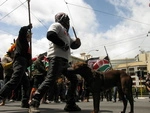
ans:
x=133 y=64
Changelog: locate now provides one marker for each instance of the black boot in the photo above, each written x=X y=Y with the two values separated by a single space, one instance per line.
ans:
x=34 y=106
x=24 y=104
x=70 y=107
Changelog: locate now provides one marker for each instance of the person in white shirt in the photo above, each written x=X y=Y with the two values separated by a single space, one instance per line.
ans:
x=58 y=54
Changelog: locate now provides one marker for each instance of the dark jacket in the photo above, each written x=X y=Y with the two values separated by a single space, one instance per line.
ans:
x=39 y=68
x=22 y=45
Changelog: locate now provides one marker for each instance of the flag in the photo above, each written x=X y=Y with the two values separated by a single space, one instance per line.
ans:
x=91 y=61
x=102 y=65
x=107 y=58
x=46 y=62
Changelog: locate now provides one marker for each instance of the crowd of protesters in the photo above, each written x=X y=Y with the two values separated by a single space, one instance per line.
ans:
x=35 y=82
x=39 y=69
x=59 y=92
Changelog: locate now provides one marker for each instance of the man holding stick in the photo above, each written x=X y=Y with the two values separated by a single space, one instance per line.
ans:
x=22 y=59
x=58 y=55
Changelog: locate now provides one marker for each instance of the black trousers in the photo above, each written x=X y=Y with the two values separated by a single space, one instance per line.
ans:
x=18 y=77
x=57 y=67
x=37 y=80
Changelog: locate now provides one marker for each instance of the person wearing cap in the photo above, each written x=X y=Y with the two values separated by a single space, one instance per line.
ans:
x=22 y=59
x=58 y=54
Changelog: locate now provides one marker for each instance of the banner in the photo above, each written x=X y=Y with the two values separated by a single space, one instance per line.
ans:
x=102 y=65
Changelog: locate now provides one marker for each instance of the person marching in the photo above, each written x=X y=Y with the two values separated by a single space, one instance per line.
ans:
x=147 y=83
x=59 y=53
x=38 y=74
x=7 y=66
x=22 y=59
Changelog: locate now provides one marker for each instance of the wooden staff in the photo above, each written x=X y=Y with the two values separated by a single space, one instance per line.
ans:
x=30 y=33
x=29 y=11
x=74 y=32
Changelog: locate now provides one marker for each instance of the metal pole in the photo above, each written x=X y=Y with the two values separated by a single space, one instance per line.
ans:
x=108 y=57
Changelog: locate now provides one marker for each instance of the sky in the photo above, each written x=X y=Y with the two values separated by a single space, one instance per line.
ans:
x=119 y=28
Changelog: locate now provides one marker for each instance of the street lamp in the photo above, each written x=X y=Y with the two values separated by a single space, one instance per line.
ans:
x=87 y=55
x=92 y=50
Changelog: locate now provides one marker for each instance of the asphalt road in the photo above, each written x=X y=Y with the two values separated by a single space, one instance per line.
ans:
x=142 y=105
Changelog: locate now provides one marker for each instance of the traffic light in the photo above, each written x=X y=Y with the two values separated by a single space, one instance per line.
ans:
x=142 y=74
x=138 y=73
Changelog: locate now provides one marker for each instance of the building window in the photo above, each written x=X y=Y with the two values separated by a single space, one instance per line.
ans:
x=124 y=70
x=131 y=71
x=142 y=68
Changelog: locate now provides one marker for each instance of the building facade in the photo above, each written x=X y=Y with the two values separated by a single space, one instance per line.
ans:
x=130 y=65
x=141 y=64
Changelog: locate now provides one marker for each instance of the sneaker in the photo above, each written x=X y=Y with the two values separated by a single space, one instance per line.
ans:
x=47 y=101
x=72 y=108
x=2 y=102
x=11 y=100
x=33 y=107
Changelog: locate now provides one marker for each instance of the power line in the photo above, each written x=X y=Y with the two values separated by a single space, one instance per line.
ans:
x=35 y=16
x=107 y=13
x=22 y=3
x=12 y=11
x=69 y=12
x=8 y=32
x=126 y=52
x=124 y=41
x=3 y=2
x=119 y=41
